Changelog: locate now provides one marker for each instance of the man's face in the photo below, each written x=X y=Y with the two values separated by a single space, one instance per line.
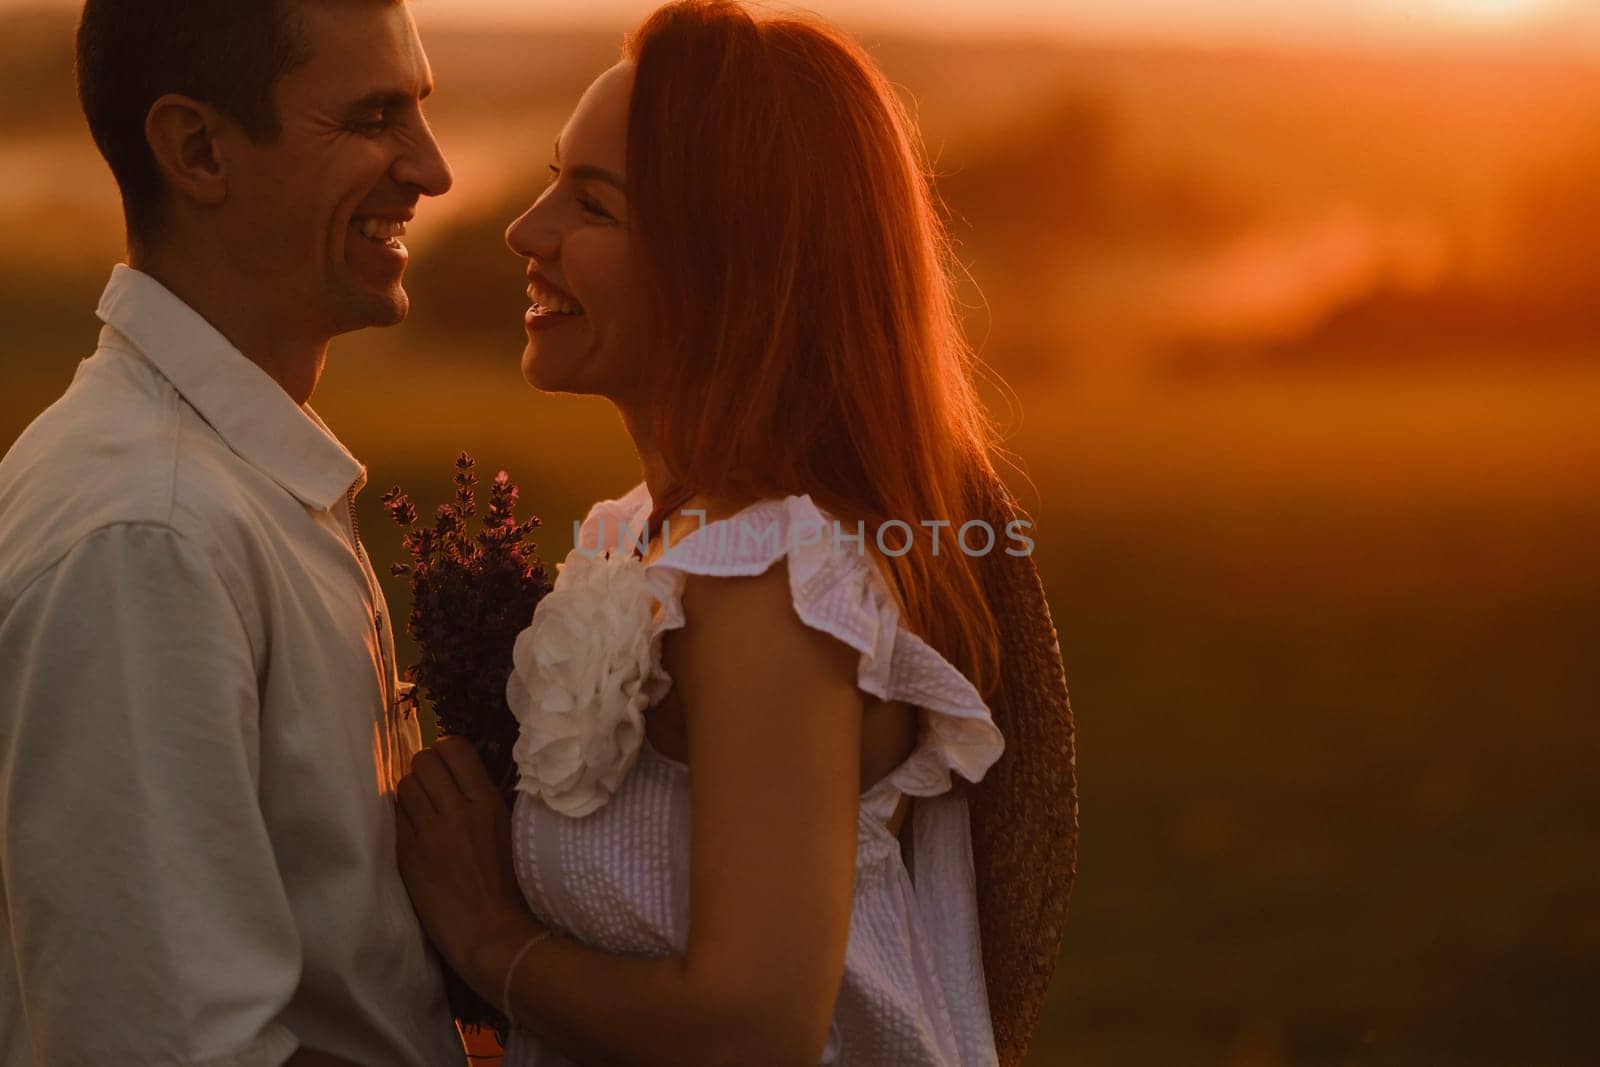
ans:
x=314 y=216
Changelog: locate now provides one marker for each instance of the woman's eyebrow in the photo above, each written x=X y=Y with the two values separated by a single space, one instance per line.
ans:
x=599 y=174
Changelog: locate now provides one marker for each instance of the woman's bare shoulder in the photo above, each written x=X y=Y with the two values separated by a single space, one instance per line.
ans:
x=745 y=629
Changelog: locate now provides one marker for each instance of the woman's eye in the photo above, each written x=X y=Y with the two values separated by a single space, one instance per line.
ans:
x=588 y=205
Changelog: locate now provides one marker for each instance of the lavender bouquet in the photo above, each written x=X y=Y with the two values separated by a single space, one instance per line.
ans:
x=471 y=595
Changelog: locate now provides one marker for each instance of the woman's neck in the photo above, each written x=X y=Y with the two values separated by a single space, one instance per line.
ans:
x=684 y=514
x=657 y=479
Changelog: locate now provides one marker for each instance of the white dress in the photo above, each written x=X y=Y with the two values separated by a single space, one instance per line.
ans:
x=618 y=878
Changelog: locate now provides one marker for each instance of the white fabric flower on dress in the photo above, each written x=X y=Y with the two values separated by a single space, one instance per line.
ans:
x=581 y=681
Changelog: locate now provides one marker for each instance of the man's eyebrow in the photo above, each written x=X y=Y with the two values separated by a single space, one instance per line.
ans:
x=599 y=174
x=387 y=98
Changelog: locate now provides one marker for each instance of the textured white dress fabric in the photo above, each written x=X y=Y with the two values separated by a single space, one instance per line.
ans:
x=618 y=878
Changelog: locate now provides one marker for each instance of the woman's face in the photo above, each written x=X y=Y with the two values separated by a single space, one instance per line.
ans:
x=582 y=335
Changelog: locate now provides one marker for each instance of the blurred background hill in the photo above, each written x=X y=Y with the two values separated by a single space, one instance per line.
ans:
x=1303 y=347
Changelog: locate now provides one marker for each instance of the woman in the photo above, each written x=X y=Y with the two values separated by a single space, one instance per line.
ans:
x=739 y=249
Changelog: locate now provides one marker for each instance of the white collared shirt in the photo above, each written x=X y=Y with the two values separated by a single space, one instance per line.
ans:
x=198 y=735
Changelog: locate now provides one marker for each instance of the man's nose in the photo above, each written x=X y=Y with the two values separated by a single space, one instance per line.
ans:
x=425 y=166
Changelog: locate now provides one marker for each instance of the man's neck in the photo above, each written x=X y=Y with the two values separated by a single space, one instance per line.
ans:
x=224 y=300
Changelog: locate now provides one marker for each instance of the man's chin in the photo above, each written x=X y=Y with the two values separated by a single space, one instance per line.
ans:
x=387 y=307
x=395 y=310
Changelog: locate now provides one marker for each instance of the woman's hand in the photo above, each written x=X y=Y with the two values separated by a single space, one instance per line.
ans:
x=454 y=849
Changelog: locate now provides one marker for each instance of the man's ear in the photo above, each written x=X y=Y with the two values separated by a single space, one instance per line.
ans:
x=183 y=134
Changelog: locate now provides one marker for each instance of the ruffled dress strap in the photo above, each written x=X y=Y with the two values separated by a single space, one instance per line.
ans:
x=836 y=589
x=613 y=525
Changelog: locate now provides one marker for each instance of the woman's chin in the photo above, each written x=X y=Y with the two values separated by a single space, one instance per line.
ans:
x=529 y=366
x=546 y=374
x=536 y=371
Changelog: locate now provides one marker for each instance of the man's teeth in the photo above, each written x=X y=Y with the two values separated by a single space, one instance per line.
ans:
x=550 y=305
x=382 y=229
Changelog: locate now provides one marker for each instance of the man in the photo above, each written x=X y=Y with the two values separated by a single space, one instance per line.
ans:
x=198 y=728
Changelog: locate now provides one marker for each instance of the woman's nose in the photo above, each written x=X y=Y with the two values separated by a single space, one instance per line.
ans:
x=529 y=236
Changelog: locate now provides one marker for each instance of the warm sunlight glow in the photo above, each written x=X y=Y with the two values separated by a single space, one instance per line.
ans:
x=1495 y=9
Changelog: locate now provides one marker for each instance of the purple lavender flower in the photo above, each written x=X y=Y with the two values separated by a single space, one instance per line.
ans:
x=471 y=595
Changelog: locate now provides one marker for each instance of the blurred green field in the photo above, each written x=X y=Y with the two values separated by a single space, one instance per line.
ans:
x=1330 y=643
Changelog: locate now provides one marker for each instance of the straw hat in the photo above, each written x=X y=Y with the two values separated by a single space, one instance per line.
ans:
x=1025 y=811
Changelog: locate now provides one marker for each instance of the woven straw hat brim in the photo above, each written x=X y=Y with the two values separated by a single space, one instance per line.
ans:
x=1025 y=810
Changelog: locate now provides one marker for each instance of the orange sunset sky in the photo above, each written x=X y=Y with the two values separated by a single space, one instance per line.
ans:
x=1571 y=25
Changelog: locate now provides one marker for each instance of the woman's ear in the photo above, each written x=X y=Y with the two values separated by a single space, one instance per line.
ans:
x=183 y=134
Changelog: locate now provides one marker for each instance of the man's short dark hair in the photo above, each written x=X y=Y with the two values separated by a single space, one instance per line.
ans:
x=226 y=53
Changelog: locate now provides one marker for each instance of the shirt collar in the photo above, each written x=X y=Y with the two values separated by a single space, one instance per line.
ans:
x=248 y=409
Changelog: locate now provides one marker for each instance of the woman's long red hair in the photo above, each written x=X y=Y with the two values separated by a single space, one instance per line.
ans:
x=805 y=332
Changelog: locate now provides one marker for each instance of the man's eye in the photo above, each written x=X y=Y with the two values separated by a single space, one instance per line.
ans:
x=370 y=127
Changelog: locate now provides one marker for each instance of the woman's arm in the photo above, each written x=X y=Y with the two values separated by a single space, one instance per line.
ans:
x=774 y=724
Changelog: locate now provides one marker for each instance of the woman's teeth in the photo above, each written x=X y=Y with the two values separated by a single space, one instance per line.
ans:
x=386 y=231
x=549 y=305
